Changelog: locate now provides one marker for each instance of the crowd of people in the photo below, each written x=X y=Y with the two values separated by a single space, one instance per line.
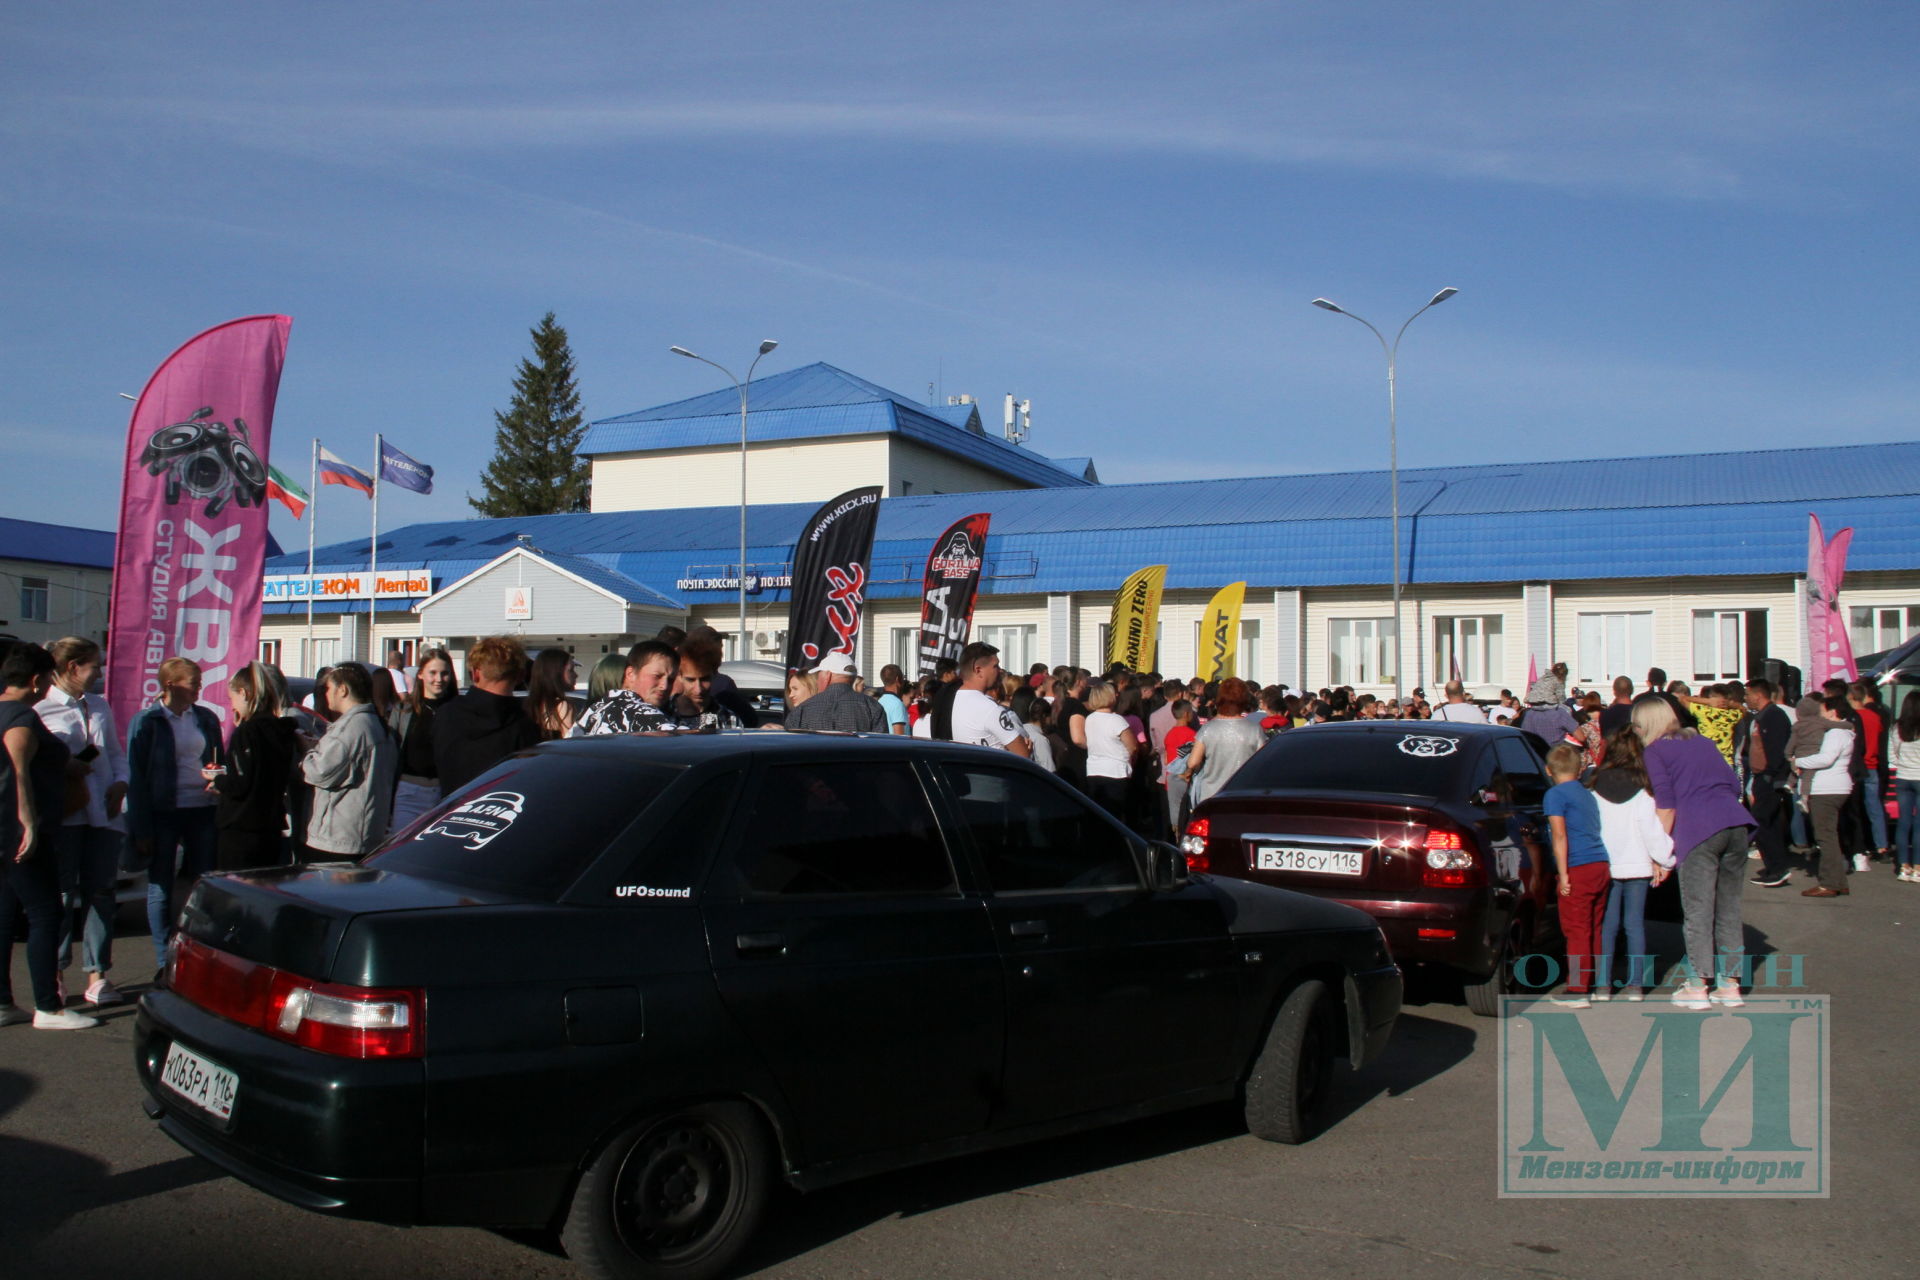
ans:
x=1648 y=784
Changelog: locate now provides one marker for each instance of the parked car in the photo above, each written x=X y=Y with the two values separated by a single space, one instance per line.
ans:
x=1433 y=828
x=619 y=986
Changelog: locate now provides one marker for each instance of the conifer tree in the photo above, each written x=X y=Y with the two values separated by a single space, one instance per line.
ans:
x=536 y=470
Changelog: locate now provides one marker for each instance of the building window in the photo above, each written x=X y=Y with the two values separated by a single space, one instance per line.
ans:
x=1876 y=627
x=1614 y=644
x=1246 y=659
x=33 y=599
x=1470 y=648
x=270 y=652
x=1359 y=651
x=903 y=650
x=1728 y=642
x=1015 y=643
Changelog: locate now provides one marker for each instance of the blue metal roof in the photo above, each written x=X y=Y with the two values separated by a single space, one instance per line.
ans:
x=1704 y=515
x=55 y=544
x=609 y=579
x=815 y=401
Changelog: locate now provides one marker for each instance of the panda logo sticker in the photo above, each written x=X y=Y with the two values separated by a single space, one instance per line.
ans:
x=1425 y=747
x=479 y=821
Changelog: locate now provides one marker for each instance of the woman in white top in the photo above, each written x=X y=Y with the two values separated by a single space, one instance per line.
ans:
x=1111 y=743
x=1905 y=759
x=1829 y=775
x=1639 y=855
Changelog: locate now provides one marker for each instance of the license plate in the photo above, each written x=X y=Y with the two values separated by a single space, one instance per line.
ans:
x=205 y=1084
x=1324 y=862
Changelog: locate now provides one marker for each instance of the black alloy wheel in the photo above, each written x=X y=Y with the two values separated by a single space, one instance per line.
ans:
x=675 y=1196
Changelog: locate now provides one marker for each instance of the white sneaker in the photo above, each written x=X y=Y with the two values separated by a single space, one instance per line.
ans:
x=12 y=1013
x=1728 y=995
x=1692 y=995
x=1601 y=997
x=1906 y=873
x=101 y=992
x=1570 y=1000
x=1753 y=855
x=1860 y=863
x=64 y=1020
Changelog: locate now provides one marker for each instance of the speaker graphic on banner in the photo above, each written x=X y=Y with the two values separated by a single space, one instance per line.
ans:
x=193 y=519
x=949 y=588
x=1136 y=611
x=830 y=579
x=1220 y=633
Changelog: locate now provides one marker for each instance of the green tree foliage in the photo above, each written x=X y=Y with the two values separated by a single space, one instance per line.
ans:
x=536 y=469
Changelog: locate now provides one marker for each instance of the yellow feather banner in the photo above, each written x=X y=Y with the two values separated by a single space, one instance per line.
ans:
x=1136 y=609
x=1220 y=633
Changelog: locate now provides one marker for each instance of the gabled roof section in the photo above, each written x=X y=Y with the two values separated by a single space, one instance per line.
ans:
x=55 y=544
x=609 y=582
x=821 y=401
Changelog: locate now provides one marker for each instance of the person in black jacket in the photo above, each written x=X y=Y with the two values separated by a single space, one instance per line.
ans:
x=486 y=724
x=251 y=815
x=1768 y=763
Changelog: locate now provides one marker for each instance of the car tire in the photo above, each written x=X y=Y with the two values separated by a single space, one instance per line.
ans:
x=675 y=1197
x=1483 y=997
x=1291 y=1082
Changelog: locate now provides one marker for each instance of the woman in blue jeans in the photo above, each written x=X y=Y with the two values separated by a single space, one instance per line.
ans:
x=1639 y=856
x=1904 y=756
x=170 y=804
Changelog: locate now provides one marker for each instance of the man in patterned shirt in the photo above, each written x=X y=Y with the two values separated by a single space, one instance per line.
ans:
x=639 y=704
x=838 y=706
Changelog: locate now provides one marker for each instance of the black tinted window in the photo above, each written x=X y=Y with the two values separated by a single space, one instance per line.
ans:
x=530 y=825
x=855 y=828
x=675 y=854
x=1032 y=835
x=1390 y=760
x=1525 y=771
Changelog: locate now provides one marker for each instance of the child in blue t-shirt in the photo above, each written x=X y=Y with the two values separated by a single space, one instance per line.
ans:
x=1585 y=875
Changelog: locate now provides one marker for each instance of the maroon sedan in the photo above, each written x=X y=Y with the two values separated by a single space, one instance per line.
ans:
x=1432 y=828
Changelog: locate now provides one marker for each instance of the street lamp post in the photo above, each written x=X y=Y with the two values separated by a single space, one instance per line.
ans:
x=742 y=647
x=1393 y=448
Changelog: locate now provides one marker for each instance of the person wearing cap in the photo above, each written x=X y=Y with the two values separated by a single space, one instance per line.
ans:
x=838 y=705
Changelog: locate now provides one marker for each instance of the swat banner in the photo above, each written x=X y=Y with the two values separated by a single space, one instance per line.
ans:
x=1220 y=633
x=1136 y=611
x=193 y=516
x=948 y=590
x=830 y=579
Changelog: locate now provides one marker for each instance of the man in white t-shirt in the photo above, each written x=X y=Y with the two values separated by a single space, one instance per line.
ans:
x=1456 y=708
x=1504 y=711
x=977 y=718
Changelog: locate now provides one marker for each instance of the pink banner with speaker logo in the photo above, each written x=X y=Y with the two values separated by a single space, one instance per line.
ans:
x=1829 y=647
x=193 y=516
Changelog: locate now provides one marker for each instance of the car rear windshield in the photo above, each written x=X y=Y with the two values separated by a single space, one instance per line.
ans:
x=530 y=826
x=1388 y=760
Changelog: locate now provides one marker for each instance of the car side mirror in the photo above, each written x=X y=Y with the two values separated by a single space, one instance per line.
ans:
x=1166 y=865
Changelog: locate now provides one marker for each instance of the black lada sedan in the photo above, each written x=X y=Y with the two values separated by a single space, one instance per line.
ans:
x=616 y=988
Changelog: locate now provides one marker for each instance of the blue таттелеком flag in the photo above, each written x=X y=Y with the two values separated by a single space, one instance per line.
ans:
x=397 y=468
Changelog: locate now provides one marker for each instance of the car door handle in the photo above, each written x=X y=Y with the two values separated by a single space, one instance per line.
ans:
x=757 y=943
x=1028 y=928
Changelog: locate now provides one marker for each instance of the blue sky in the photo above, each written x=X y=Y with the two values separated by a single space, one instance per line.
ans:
x=1675 y=228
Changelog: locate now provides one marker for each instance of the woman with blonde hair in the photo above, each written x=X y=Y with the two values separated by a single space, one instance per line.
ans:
x=169 y=804
x=1696 y=796
x=1111 y=744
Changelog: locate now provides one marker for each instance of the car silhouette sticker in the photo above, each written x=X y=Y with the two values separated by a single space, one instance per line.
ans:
x=1428 y=748
x=479 y=821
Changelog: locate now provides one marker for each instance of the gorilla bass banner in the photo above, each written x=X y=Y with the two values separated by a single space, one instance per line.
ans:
x=948 y=590
x=193 y=518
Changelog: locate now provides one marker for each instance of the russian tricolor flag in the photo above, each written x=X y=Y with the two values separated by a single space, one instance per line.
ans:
x=336 y=470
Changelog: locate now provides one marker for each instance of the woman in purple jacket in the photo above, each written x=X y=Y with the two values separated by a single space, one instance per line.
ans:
x=1697 y=796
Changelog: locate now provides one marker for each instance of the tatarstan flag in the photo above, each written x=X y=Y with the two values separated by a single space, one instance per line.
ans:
x=281 y=489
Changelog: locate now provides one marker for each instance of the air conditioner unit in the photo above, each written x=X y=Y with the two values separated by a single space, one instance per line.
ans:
x=766 y=640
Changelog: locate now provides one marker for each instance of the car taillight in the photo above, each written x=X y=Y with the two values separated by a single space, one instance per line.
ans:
x=1449 y=863
x=1194 y=845
x=347 y=1022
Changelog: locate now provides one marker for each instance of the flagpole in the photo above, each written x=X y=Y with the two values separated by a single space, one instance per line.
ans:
x=373 y=549
x=313 y=519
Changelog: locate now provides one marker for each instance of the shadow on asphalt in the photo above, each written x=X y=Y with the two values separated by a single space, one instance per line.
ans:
x=47 y=1184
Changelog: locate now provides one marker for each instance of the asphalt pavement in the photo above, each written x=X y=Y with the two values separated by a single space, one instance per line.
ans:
x=1403 y=1183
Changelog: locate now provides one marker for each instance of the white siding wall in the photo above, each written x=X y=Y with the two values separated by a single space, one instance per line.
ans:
x=76 y=601
x=802 y=471
x=930 y=471
x=1672 y=602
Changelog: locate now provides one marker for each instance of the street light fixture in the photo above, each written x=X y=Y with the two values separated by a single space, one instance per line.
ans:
x=1393 y=447
x=743 y=646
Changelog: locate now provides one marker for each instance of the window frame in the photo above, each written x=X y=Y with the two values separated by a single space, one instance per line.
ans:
x=1380 y=640
x=1479 y=649
x=36 y=599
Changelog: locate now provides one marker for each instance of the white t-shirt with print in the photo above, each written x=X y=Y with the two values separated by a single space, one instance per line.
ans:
x=982 y=721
